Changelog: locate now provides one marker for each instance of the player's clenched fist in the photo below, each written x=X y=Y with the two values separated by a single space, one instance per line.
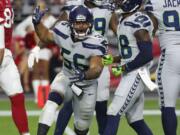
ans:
x=37 y=15
x=78 y=76
x=107 y=59
x=117 y=70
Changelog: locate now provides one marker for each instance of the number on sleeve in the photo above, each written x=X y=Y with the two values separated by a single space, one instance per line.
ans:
x=126 y=51
x=171 y=19
x=100 y=25
x=9 y=16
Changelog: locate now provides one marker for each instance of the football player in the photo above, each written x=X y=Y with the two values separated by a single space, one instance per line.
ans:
x=82 y=51
x=9 y=75
x=134 y=34
x=166 y=17
x=104 y=18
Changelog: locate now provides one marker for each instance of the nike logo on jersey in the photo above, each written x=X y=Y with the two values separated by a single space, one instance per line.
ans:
x=171 y=3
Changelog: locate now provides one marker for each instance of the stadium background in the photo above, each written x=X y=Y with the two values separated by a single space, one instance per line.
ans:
x=20 y=48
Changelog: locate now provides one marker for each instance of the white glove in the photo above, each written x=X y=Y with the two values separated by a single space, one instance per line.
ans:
x=34 y=55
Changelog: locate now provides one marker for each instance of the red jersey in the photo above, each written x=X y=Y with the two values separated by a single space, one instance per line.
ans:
x=6 y=18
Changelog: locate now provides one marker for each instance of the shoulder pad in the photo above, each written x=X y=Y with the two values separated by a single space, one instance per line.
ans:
x=101 y=40
x=139 y=20
x=62 y=29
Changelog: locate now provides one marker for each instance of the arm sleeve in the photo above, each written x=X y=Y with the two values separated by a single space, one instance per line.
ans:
x=144 y=56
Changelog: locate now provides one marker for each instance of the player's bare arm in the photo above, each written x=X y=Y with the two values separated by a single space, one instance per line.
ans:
x=155 y=22
x=2 y=43
x=116 y=59
x=113 y=23
x=142 y=35
x=63 y=17
x=44 y=34
x=95 y=68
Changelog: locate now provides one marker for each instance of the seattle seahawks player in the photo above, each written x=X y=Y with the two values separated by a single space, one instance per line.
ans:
x=81 y=50
x=134 y=33
x=166 y=15
x=104 y=18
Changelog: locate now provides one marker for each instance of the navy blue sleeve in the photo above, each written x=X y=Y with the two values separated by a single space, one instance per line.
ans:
x=145 y=55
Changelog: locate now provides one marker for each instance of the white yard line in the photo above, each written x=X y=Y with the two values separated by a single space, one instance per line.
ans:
x=69 y=131
x=37 y=113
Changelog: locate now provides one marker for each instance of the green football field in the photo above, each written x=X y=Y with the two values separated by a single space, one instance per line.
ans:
x=7 y=127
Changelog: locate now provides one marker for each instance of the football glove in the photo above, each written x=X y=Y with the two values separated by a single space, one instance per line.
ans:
x=117 y=70
x=107 y=59
x=78 y=76
x=37 y=15
x=33 y=56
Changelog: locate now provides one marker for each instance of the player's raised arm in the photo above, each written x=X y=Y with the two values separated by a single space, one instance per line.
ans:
x=44 y=34
x=153 y=18
x=113 y=23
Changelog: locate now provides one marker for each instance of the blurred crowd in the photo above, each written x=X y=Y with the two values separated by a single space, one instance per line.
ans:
x=24 y=39
x=24 y=8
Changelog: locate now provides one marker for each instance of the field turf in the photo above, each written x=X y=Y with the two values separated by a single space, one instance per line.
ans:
x=7 y=127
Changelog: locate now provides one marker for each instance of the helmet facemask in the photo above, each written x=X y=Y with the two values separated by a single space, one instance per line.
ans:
x=81 y=22
x=81 y=29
